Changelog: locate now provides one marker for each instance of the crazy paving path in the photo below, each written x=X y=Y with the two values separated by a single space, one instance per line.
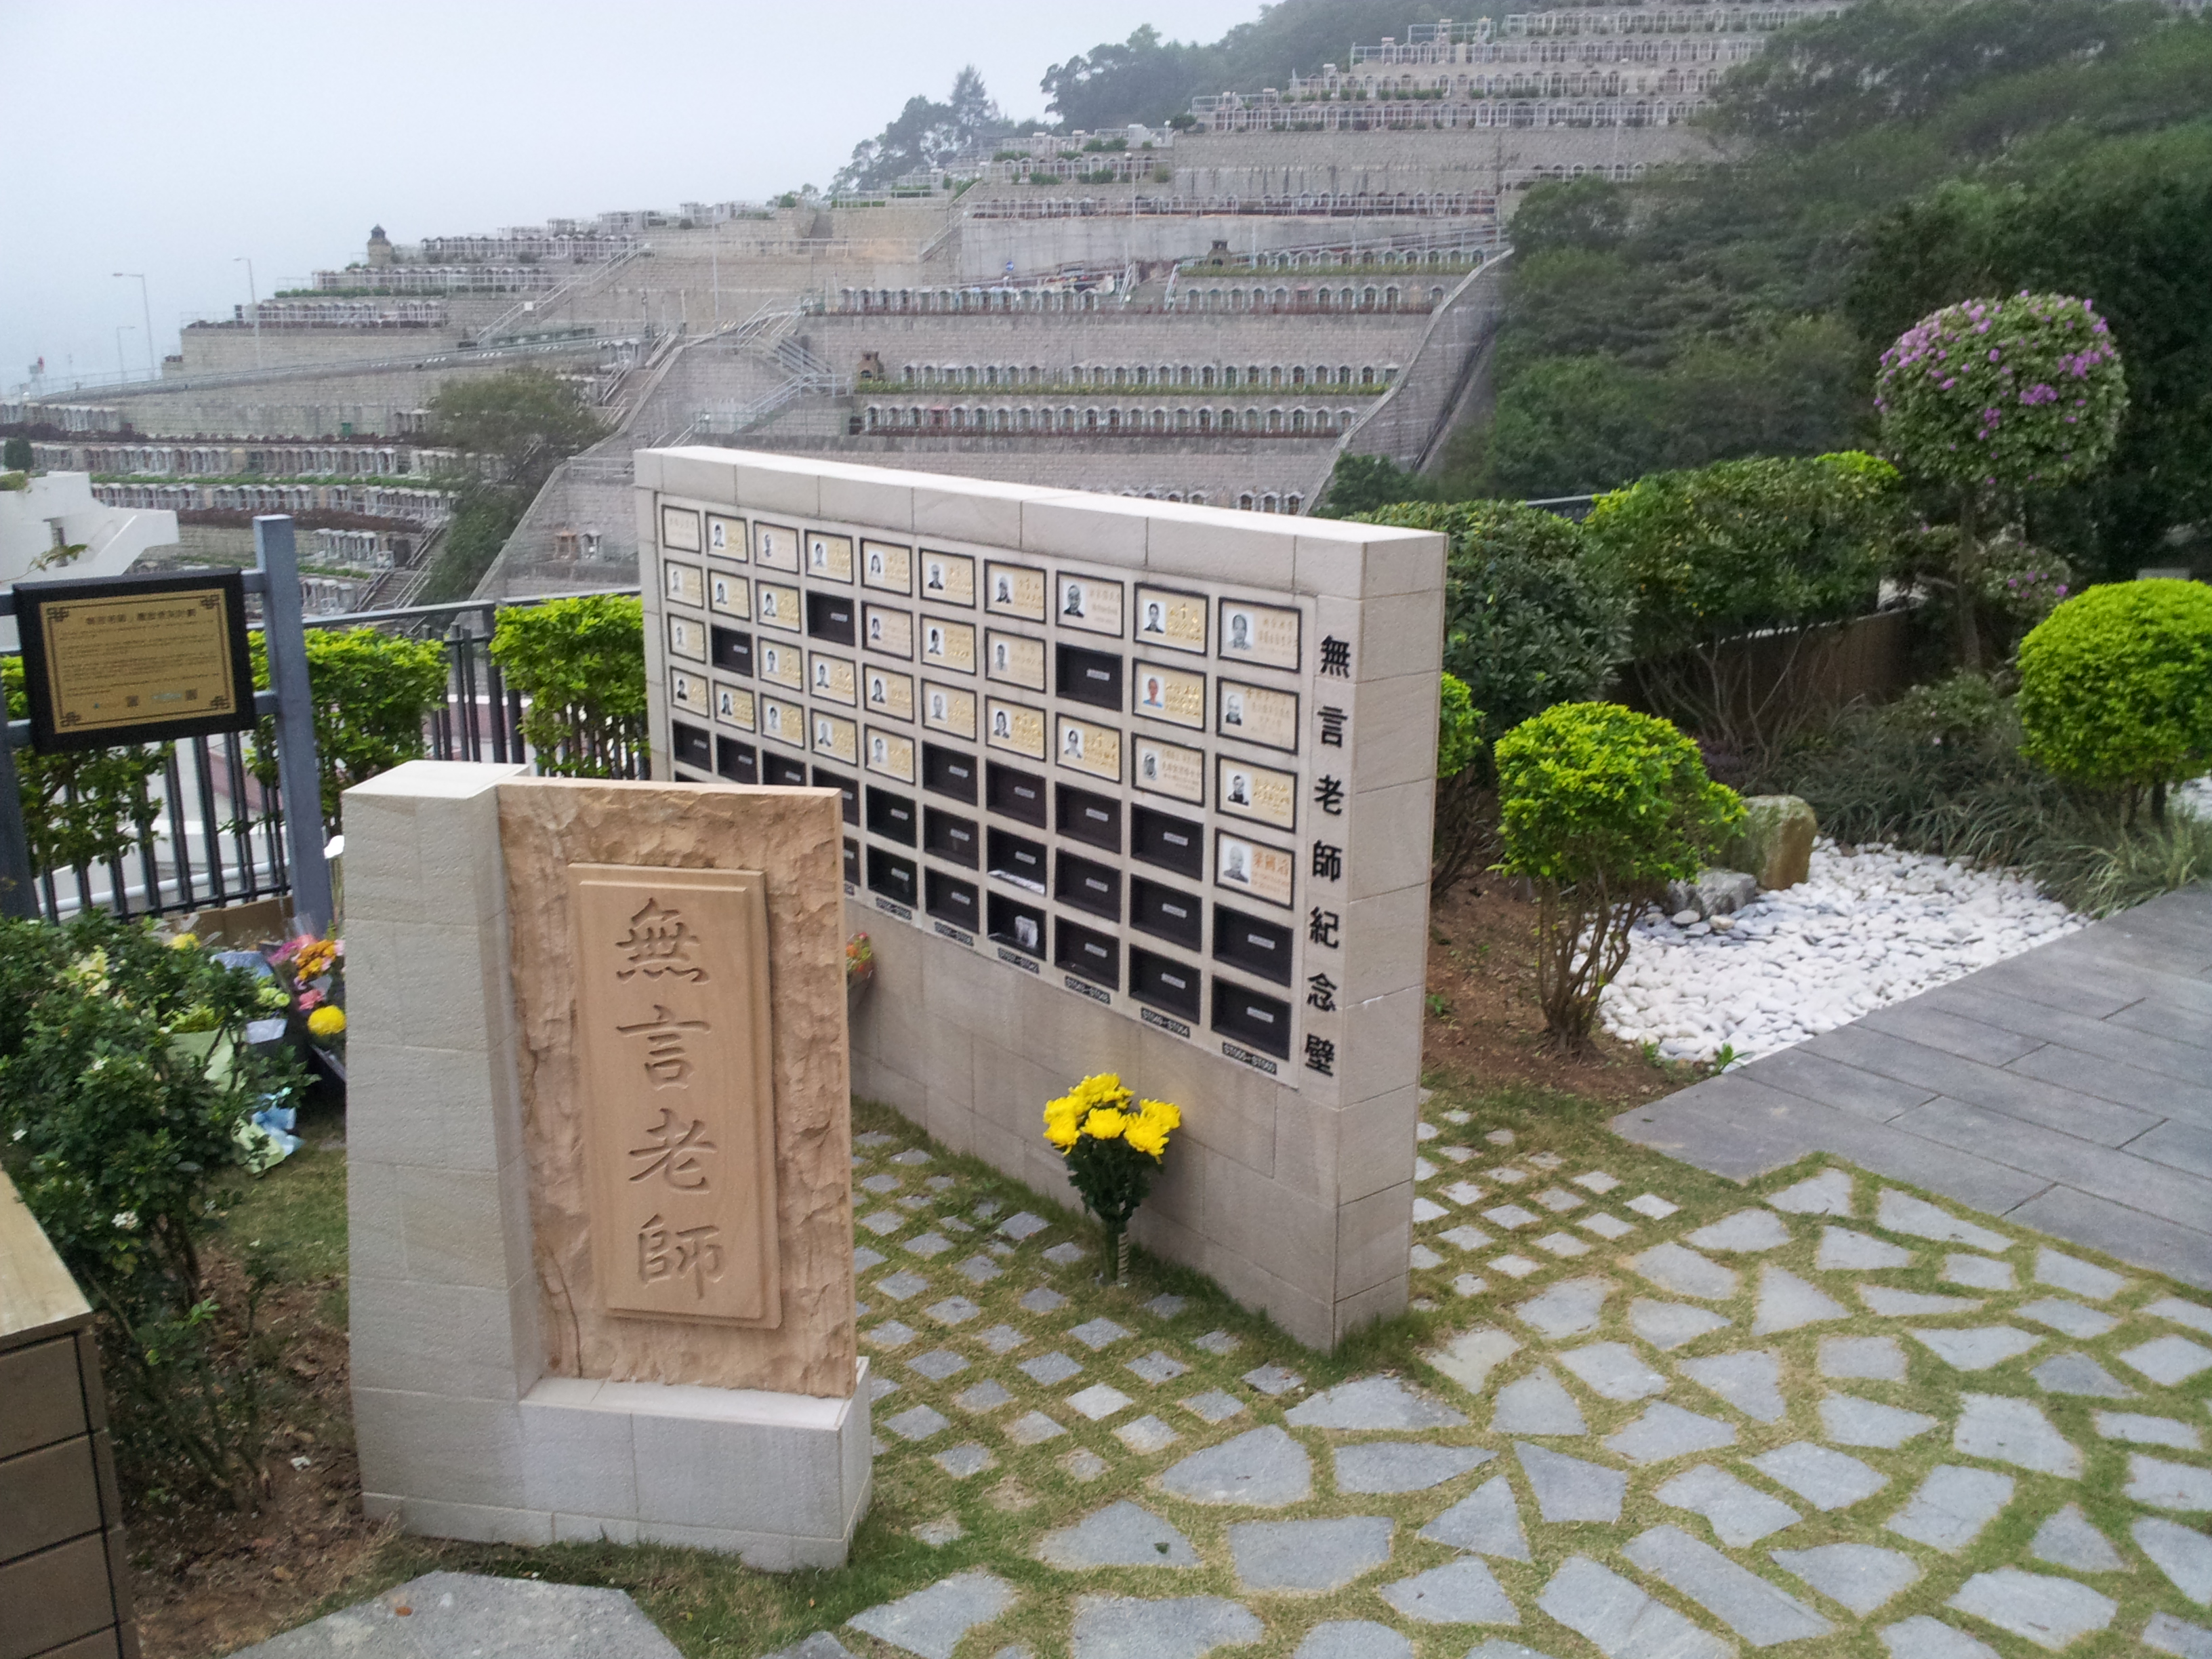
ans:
x=1826 y=1415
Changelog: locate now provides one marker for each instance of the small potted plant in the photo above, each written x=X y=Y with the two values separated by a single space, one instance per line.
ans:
x=1114 y=1145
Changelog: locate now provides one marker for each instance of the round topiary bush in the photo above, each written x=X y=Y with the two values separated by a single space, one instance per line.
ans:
x=2116 y=688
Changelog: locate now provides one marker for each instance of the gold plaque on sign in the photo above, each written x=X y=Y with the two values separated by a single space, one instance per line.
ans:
x=838 y=738
x=687 y=637
x=1175 y=695
x=672 y=1058
x=829 y=557
x=687 y=693
x=1256 y=714
x=1082 y=747
x=1093 y=606
x=887 y=566
x=731 y=595
x=831 y=678
x=778 y=607
x=889 y=631
x=780 y=663
x=733 y=706
x=1174 y=621
x=891 y=754
x=684 y=583
x=1167 y=768
x=1014 y=590
x=1260 y=792
x=889 y=693
x=1265 y=634
x=726 y=537
x=1016 y=729
x=948 y=577
x=775 y=546
x=948 y=709
x=1253 y=867
x=133 y=658
x=948 y=645
x=679 y=529
x=1013 y=660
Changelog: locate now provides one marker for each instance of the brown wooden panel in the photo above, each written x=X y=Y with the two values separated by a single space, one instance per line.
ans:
x=46 y=1496
x=54 y=1596
x=45 y=1402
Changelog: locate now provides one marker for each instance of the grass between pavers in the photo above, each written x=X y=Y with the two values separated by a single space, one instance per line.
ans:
x=710 y=1606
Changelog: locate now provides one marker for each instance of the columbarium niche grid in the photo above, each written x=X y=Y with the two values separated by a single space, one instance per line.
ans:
x=1131 y=790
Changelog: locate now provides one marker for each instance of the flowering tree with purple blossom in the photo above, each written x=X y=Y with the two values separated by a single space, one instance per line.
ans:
x=1990 y=397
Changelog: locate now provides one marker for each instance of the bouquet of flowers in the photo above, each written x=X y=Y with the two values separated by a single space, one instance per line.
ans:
x=312 y=970
x=1114 y=1145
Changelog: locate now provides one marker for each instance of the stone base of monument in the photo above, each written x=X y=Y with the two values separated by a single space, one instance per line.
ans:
x=497 y=1369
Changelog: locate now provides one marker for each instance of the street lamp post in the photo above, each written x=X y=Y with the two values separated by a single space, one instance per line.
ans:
x=253 y=294
x=146 y=306
x=122 y=369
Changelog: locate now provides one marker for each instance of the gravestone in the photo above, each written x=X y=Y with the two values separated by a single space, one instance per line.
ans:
x=599 y=1163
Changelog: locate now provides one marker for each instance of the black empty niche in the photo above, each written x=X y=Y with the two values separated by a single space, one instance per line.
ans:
x=731 y=648
x=825 y=778
x=1087 y=885
x=1092 y=676
x=1016 y=859
x=737 y=762
x=1163 y=982
x=1256 y=946
x=784 y=773
x=948 y=772
x=1010 y=922
x=1091 y=819
x=1166 y=913
x=693 y=747
x=949 y=836
x=891 y=876
x=1014 y=793
x=891 y=816
x=950 y=899
x=829 y=616
x=1251 y=1018
x=853 y=861
x=1171 y=843
x=1087 y=952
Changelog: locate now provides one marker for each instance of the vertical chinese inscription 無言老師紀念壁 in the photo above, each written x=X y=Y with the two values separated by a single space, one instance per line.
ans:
x=678 y=1099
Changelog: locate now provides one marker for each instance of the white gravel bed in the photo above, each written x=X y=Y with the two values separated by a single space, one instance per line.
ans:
x=1867 y=928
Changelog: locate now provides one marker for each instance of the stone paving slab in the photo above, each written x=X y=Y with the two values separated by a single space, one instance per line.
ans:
x=455 y=1615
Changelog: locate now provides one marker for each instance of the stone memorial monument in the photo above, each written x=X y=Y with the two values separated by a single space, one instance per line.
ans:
x=599 y=1164
x=1128 y=786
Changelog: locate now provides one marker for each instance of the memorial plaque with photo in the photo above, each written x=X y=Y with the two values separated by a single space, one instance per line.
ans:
x=948 y=645
x=890 y=693
x=887 y=566
x=887 y=631
x=832 y=677
x=726 y=539
x=1171 y=620
x=948 y=577
x=836 y=739
x=783 y=722
x=828 y=558
x=775 y=546
x=949 y=709
x=1012 y=659
x=1258 y=792
x=686 y=584
x=1082 y=747
x=687 y=692
x=686 y=638
x=1258 y=713
x=1083 y=603
x=890 y=754
x=1014 y=590
x=1176 y=696
x=781 y=664
x=1169 y=770
x=679 y=529
x=733 y=706
x=780 y=607
x=1253 y=867
x=731 y=595
x=1017 y=730
x=1263 y=633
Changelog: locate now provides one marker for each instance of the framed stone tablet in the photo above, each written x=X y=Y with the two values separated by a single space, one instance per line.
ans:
x=686 y=638
x=948 y=709
x=1082 y=747
x=775 y=546
x=1083 y=603
x=1169 y=770
x=1013 y=589
x=731 y=595
x=679 y=529
x=1171 y=619
x=783 y=722
x=1176 y=696
x=887 y=566
x=1253 y=867
x=948 y=645
x=1257 y=714
x=778 y=607
x=1012 y=659
x=832 y=679
x=828 y=558
x=779 y=664
x=1258 y=792
x=733 y=706
x=948 y=577
x=1017 y=730
x=890 y=693
x=687 y=692
x=888 y=630
x=890 y=754
x=1263 y=633
x=726 y=537
x=837 y=738
x=686 y=584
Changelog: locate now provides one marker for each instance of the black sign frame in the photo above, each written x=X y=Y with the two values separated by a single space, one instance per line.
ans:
x=34 y=598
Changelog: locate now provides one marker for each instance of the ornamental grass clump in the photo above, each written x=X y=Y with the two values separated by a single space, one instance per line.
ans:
x=1114 y=1144
x=1600 y=808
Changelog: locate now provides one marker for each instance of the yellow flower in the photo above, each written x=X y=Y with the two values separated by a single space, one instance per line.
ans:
x=326 y=1022
x=1063 y=1122
x=183 y=942
x=1166 y=1114
x=1105 y=1123
x=1146 y=1135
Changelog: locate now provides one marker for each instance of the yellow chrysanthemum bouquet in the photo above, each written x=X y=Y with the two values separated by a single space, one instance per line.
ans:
x=1114 y=1144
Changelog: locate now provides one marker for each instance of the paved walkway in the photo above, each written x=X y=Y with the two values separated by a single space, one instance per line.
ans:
x=2068 y=1088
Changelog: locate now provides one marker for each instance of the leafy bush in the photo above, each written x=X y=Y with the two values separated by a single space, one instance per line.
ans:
x=80 y=806
x=1462 y=832
x=1601 y=807
x=580 y=663
x=2116 y=688
x=120 y=1096
x=15 y=455
x=372 y=692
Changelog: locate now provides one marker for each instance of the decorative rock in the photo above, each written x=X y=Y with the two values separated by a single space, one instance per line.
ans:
x=1826 y=1480
x=1740 y=1599
x=1213 y=1406
x=1842 y=1250
x=1977 y=1272
x=1951 y=1507
x=1146 y=1436
x=1537 y=1404
x=1353 y=1638
x=1393 y=1466
x=1714 y=893
x=2182 y=1553
x=1683 y=1272
x=1263 y=1467
x=2067 y=1540
x=2164 y=1486
x=1901 y=1212
x=2168 y=1360
x=2194 y=1314
x=2149 y=1431
x=1746 y=1230
x=1665 y=1431
x=2076 y=1373
x=2051 y=1613
x=2083 y=1324
x=1373 y=1402
x=1849 y=1421
x=1740 y=1515
x=1614 y=1371
x=2167 y=1634
x=1752 y=1382
x=1828 y=1192
x=2070 y=1274
x=930 y=1622
x=1307 y=1555
x=1876 y=1358
x=1571 y=1308
x=1458 y=1593
x=1898 y=1304
x=1568 y=1489
x=1922 y=1637
x=1273 y=1380
x=1487 y=1522
x=1670 y=1325
x=1976 y=1348
x=1774 y=842
x=1620 y=1619
x=1049 y=1369
x=1123 y=1535
x=1123 y=1627
x=1860 y=1577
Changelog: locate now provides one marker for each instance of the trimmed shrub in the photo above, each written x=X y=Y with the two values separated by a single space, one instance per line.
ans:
x=580 y=663
x=1463 y=832
x=371 y=691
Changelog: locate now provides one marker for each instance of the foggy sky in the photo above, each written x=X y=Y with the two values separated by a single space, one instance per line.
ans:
x=172 y=138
